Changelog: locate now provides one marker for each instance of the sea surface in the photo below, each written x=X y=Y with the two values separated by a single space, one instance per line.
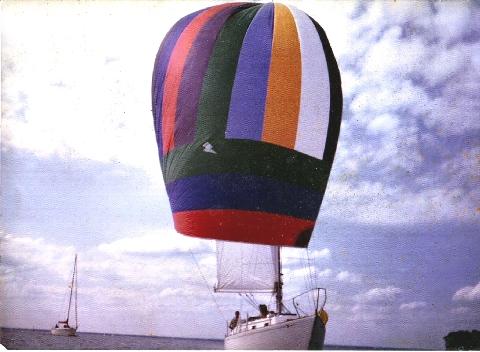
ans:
x=24 y=339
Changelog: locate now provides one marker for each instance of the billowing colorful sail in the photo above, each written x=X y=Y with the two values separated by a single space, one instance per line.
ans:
x=247 y=106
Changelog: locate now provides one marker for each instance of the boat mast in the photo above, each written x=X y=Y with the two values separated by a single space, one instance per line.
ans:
x=279 y=284
x=76 y=293
x=71 y=288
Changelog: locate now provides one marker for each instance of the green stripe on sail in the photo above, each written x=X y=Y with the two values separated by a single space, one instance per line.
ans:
x=218 y=82
x=251 y=158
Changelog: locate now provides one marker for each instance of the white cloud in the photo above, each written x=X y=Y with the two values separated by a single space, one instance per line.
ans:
x=320 y=253
x=376 y=203
x=84 y=94
x=369 y=313
x=168 y=292
x=453 y=21
x=110 y=277
x=308 y=272
x=411 y=81
x=292 y=256
x=454 y=112
x=459 y=310
x=346 y=276
x=412 y=305
x=383 y=123
x=468 y=293
x=30 y=254
x=444 y=65
x=161 y=241
x=332 y=307
x=379 y=294
x=299 y=272
x=324 y=273
x=383 y=58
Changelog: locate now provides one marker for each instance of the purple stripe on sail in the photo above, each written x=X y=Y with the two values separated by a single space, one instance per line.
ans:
x=159 y=73
x=247 y=105
x=193 y=75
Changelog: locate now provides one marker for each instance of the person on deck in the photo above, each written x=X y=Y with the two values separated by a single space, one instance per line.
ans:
x=263 y=310
x=235 y=320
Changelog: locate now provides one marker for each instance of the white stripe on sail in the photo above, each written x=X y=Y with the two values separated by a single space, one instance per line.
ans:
x=315 y=94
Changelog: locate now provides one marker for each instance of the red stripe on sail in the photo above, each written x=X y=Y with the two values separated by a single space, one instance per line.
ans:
x=175 y=70
x=244 y=226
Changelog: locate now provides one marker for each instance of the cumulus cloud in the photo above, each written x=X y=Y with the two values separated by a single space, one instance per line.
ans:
x=28 y=254
x=369 y=313
x=383 y=123
x=468 y=293
x=379 y=294
x=295 y=256
x=324 y=273
x=161 y=241
x=117 y=274
x=412 y=305
x=169 y=292
x=347 y=276
x=460 y=310
x=308 y=272
x=320 y=253
x=412 y=83
x=90 y=93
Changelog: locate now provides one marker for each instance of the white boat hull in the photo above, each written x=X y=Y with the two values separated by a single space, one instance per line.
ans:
x=64 y=331
x=296 y=334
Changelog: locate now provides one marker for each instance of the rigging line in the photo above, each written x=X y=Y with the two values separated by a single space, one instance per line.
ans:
x=270 y=302
x=314 y=276
x=71 y=289
x=241 y=303
x=206 y=284
x=63 y=307
x=308 y=278
x=304 y=274
x=250 y=298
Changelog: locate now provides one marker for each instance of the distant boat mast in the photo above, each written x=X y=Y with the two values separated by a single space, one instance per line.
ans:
x=72 y=285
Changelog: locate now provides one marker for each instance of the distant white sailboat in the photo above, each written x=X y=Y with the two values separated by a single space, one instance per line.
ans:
x=62 y=328
x=250 y=268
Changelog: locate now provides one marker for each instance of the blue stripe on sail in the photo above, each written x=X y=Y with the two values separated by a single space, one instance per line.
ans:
x=247 y=105
x=243 y=192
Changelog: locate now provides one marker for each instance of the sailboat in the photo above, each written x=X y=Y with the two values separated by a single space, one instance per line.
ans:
x=247 y=105
x=62 y=327
x=250 y=268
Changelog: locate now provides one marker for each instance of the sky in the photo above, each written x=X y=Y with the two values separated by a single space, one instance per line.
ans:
x=397 y=240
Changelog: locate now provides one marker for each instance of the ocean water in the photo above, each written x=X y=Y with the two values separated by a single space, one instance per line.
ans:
x=24 y=339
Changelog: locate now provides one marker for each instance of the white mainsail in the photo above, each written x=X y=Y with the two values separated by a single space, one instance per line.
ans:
x=246 y=267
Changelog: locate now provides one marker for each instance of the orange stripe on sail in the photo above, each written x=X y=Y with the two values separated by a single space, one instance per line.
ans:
x=284 y=83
